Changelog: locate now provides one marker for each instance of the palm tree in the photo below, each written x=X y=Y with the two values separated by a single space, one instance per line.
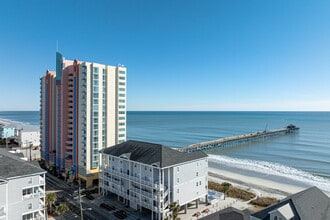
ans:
x=50 y=200
x=174 y=208
x=61 y=209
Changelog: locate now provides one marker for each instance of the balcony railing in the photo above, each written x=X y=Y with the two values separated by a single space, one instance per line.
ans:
x=41 y=180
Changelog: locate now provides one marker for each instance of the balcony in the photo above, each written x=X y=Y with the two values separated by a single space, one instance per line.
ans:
x=39 y=193
x=146 y=193
x=146 y=182
x=42 y=180
x=147 y=204
x=135 y=198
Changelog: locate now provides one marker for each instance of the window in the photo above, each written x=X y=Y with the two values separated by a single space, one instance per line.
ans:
x=121 y=112
x=28 y=216
x=196 y=173
x=30 y=181
x=178 y=169
x=196 y=183
x=177 y=190
x=121 y=83
x=121 y=118
x=121 y=95
x=177 y=180
x=121 y=72
x=121 y=135
x=122 y=89
x=30 y=206
x=122 y=77
x=27 y=191
x=122 y=100
x=95 y=69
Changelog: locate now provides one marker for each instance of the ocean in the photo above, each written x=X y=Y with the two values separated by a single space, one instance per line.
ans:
x=301 y=159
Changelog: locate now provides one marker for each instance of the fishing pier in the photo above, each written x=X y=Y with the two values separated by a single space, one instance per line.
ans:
x=235 y=140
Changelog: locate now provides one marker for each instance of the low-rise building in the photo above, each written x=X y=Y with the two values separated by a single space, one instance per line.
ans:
x=28 y=138
x=22 y=189
x=6 y=131
x=309 y=204
x=149 y=177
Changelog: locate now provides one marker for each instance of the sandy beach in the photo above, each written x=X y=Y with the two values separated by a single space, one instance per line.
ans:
x=261 y=187
x=19 y=125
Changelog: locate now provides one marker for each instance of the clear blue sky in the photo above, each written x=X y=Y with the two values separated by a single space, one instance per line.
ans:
x=180 y=54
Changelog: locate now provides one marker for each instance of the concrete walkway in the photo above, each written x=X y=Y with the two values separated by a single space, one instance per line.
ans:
x=219 y=205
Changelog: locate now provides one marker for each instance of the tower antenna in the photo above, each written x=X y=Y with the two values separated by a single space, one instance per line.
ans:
x=56 y=45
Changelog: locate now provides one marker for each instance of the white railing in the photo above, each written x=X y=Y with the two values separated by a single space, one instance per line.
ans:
x=41 y=180
x=146 y=204
x=156 y=209
x=146 y=194
x=29 y=196
x=136 y=179
x=146 y=182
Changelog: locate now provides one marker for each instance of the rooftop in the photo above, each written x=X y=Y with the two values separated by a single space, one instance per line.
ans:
x=229 y=213
x=151 y=154
x=311 y=203
x=12 y=166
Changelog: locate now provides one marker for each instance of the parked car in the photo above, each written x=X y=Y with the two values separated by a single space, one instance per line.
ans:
x=107 y=207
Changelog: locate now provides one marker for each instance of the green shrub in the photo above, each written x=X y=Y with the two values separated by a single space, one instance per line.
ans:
x=231 y=191
x=264 y=201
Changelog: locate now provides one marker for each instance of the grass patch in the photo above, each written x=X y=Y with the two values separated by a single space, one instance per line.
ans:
x=264 y=201
x=231 y=191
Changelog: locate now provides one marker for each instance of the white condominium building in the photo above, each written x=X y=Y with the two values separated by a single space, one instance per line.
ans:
x=22 y=189
x=149 y=177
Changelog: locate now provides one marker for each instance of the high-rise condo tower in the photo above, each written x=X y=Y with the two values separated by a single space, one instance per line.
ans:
x=83 y=110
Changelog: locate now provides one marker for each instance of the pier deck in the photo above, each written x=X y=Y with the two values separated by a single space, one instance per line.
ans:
x=234 y=140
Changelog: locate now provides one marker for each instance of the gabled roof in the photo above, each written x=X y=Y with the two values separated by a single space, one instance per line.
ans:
x=229 y=213
x=151 y=154
x=12 y=166
x=285 y=211
x=311 y=203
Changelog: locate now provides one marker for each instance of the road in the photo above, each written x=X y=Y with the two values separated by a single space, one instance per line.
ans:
x=65 y=193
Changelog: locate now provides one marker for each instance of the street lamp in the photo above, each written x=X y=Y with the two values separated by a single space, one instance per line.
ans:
x=31 y=144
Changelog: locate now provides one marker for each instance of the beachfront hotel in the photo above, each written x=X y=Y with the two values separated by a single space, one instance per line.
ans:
x=149 y=177
x=22 y=188
x=83 y=110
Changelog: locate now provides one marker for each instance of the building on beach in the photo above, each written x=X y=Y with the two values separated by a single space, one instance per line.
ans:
x=28 y=138
x=311 y=203
x=149 y=177
x=7 y=131
x=22 y=189
x=83 y=110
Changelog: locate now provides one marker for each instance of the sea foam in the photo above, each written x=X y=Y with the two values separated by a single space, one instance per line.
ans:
x=273 y=169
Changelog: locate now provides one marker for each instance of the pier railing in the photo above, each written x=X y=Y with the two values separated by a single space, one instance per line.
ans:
x=234 y=140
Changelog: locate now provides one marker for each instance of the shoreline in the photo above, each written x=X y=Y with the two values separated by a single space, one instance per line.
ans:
x=262 y=187
x=19 y=125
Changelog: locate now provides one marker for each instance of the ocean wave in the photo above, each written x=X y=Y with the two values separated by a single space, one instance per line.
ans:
x=20 y=124
x=275 y=169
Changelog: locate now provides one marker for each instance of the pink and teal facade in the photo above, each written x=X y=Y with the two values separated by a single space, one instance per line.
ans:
x=83 y=110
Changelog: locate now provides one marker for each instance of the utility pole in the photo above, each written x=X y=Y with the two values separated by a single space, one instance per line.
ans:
x=79 y=194
x=31 y=144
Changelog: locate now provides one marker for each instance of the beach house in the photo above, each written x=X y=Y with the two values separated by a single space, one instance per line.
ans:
x=6 y=131
x=149 y=177
x=309 y=204
x=22 y=189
